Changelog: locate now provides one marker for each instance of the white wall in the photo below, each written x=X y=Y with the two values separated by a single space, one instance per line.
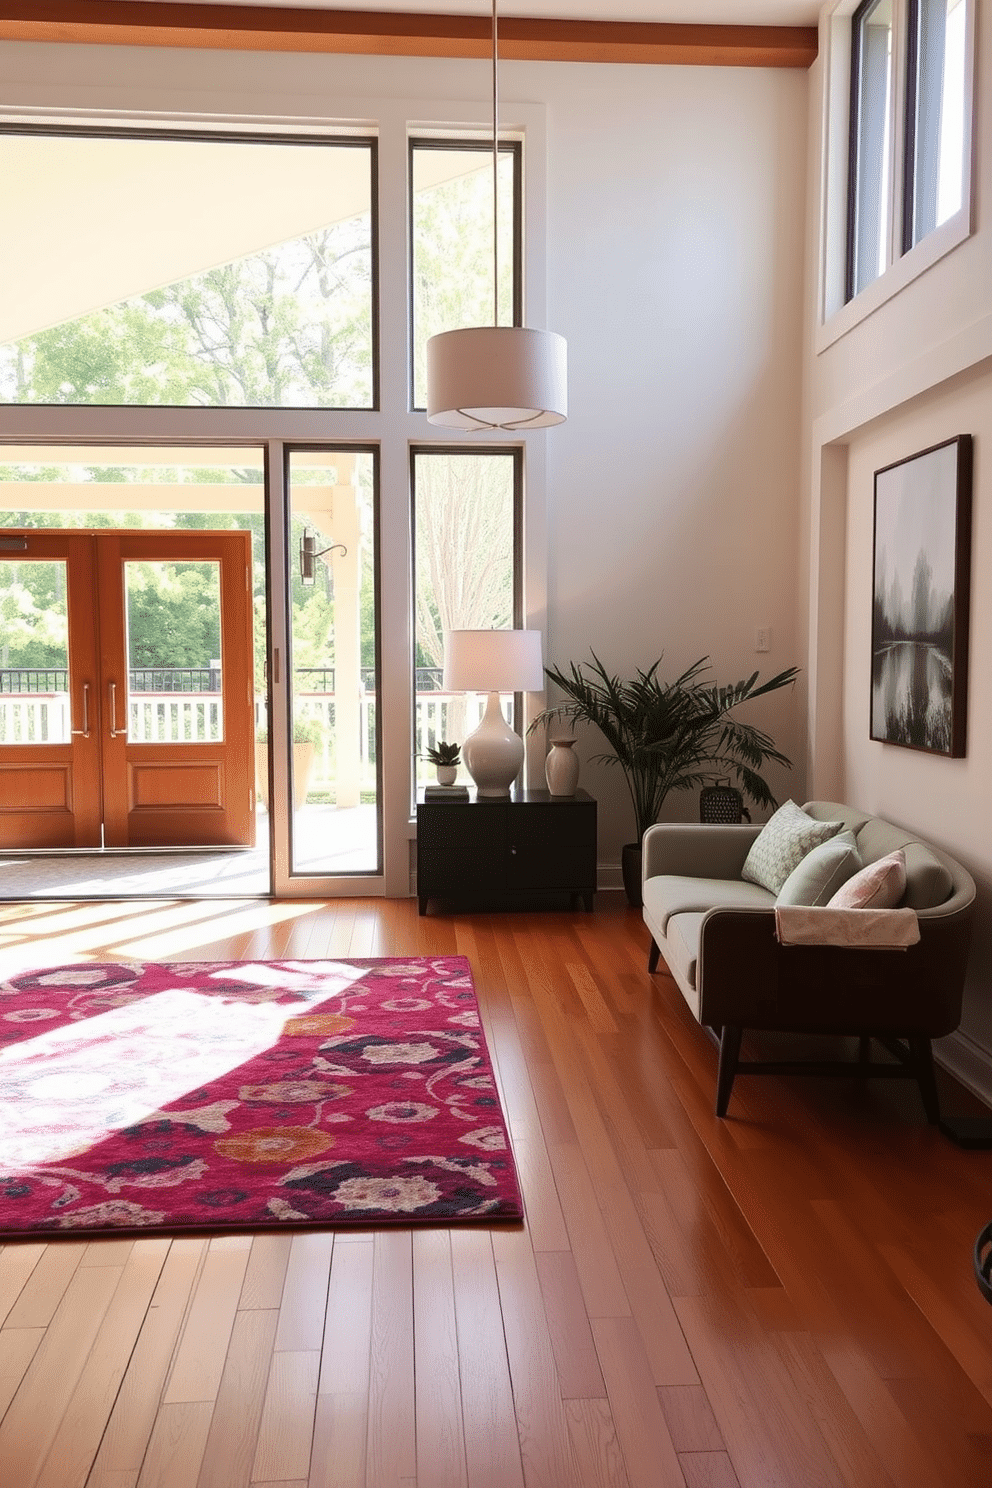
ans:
x=676 y=273
x=676 y=199
x=917 y=371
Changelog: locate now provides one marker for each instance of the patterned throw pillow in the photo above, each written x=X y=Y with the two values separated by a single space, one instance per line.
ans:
x=781 y=845
x=821 y=872
x=879 y=886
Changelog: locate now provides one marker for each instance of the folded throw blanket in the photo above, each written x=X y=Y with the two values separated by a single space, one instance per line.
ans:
x=866 y=929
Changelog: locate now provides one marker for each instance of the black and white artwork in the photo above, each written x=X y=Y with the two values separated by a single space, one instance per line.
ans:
x=919 y=633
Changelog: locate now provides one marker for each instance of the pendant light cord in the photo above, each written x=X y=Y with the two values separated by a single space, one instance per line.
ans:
x=495 y=177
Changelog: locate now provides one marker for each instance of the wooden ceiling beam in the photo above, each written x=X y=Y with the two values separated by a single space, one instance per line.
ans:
x=382 y=33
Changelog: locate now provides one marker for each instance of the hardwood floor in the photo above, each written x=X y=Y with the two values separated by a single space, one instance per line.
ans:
x=783 y=1299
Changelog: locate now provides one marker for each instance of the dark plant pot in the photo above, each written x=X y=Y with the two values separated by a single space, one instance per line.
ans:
x=630 y=864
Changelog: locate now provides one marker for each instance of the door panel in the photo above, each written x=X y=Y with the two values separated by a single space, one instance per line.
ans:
x=178 y=774
x=49 y=735
x=94 y=759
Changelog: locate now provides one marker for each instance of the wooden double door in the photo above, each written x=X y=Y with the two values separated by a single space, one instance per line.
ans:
x=111 y=752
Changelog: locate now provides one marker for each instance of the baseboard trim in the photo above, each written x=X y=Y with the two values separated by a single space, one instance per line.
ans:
x=968 y=1062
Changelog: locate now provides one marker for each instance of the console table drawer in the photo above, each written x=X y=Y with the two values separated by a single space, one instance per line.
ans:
x=521 y=846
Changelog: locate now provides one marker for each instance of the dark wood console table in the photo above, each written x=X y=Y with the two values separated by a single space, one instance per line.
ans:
x=524 y=847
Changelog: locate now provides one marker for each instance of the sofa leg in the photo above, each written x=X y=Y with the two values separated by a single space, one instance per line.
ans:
x=922 y=1055
x=730 y=1048
x=653 y=955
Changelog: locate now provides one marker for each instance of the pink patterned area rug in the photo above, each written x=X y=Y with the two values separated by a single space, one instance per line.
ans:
x=215 y=1095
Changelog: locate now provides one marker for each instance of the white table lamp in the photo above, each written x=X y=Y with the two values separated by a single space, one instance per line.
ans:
x=493 y=661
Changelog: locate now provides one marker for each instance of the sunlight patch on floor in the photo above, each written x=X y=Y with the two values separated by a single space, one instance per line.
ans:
x=127 y=1065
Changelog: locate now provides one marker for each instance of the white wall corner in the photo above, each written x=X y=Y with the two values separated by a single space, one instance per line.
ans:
x=825 y=660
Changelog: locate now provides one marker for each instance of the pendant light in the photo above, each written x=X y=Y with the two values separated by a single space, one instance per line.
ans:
x=496 y=377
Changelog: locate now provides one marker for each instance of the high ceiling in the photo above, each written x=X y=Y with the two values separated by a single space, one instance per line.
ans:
x=699 y=12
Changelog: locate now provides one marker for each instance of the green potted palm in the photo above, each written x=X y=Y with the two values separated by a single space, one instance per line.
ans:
x=668 y=736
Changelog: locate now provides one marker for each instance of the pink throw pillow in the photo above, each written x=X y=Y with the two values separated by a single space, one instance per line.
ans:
x=879 y=886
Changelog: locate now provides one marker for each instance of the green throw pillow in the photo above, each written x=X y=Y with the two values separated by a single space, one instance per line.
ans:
x=819 y=875
x=782 y=844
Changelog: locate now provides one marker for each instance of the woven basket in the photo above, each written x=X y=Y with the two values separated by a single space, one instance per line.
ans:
x=722 y=802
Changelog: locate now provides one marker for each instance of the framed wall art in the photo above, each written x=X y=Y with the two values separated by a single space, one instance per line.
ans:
x=921 y=583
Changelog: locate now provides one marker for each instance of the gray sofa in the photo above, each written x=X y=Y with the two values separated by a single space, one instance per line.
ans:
x=717 y=934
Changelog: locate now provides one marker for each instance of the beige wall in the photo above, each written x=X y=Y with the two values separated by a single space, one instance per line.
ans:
x=917 y=371
x=675 y=270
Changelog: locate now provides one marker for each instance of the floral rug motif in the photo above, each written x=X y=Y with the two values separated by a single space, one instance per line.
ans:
x=248 y=1094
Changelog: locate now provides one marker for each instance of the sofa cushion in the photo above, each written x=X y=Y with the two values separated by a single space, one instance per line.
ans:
x=850 y=818
x=682 y=946
x=880 y=885
x=821 y=872
x=669 y=894
x=928 y=882
x=782 y=843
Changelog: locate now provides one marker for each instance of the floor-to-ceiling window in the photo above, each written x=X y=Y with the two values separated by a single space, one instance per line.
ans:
x=237 y=303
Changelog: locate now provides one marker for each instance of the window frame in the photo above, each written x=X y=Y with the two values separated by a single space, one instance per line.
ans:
x=504 y=451
x=189 y=135
x=392 y=427
x=512 y=147
x=855 y=138
x=836 y=313
x=302 y=881
x=911 y=192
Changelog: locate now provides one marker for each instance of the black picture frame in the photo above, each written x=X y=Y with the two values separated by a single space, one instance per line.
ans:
x=921 y=583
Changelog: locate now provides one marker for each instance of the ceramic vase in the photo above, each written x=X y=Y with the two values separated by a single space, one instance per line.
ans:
x=446 y=774
x=562 y=768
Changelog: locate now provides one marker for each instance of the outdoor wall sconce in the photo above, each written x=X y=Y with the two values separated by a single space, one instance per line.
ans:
x=309 y=553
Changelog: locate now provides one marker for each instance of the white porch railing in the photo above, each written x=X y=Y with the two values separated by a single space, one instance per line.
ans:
x=34 y=718
x=175 y=718
x=197 y=717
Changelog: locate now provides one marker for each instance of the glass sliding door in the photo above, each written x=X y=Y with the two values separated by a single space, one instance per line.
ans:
x=334 y=689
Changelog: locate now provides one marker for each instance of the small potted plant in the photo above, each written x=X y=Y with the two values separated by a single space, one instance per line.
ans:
x=446 y=758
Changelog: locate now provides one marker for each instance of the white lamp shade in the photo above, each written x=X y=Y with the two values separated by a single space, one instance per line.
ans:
x=493 y=661
x=497 y=377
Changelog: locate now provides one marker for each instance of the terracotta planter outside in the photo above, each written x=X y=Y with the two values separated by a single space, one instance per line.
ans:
x=303 y=758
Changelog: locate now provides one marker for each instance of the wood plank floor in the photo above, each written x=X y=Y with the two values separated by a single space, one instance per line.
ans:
x=783 y=1299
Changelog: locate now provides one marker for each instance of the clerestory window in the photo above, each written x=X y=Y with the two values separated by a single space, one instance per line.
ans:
x=908 y=134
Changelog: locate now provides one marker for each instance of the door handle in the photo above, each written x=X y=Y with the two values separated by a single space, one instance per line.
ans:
x=115 y=732
x=85 y=730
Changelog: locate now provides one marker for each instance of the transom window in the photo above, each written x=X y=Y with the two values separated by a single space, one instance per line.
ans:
x=200 y=271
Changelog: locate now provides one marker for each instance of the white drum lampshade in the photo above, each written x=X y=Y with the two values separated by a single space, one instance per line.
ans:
x=493 y=661
x=497 y=377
